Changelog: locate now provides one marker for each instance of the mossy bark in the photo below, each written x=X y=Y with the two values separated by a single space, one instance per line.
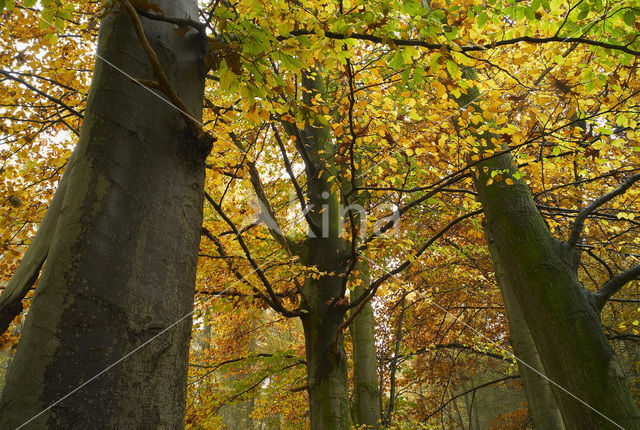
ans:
x=324 y=249
x=366 y=394
x=543 y=410
x=591 y=389
x=121 y=266
x=326 y=361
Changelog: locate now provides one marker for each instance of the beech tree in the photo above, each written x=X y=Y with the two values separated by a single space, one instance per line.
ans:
x=120 y=242
x=321 y=109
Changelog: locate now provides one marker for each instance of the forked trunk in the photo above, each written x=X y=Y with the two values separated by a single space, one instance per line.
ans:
x=543 y=410
x=591 y=389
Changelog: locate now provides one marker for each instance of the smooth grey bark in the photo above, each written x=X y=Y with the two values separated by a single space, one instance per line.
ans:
x=591 y=389
x=326 y=363
x=121 y=266
x=543 y=410
x=366 y=408
x=366 y=405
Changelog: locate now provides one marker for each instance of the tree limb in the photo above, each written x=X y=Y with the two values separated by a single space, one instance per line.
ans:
x=274 y=300
x=614 y=285
x=35 y=256
x=486 y=384
x=42 y=93
x=299 y=193
x=180 y=22
x=163 y=81
x=576 y=230
x=467 y=48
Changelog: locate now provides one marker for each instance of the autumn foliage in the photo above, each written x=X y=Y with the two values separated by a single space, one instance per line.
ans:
x=557 y=86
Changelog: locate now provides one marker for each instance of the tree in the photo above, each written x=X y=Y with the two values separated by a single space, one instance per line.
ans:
x=120 y=256
x=542 y=269
x=542 y=405
x=350 y=103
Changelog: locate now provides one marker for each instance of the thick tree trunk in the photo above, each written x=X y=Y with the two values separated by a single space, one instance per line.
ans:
x=366 y=405
x=543 y=410
x=326 y=364
x=326 y=361
x=592 y=392
x=121 y=267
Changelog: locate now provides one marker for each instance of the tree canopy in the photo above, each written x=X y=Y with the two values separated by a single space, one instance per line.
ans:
x=363 y=132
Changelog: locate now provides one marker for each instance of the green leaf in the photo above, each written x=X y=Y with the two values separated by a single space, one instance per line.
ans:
x=482 y=19
x=530 y=14
x=418 y=75
x=589 y=86
x=453 y=68
x=397 y=61
x=583 y=14
x=629 y=17
x=435 y=64
x=29 y=3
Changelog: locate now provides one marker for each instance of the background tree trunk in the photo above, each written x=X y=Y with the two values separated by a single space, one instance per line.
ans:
x=121 y=266
x=543 y=410
x=563 y=322
x=366 y=405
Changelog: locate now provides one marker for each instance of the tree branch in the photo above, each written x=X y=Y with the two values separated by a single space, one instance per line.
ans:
x=163 y=81
x=42 y=93
x=274 y=300
x=370 y=292
x=205 y=232
x=486 y=384
x=614 y=285
x=576 y=230
x=299 y=193
x=180 y=22
x=467 y=48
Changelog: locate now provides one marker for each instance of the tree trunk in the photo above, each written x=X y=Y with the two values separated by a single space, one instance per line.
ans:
x=120 y=271
x=543 y=410
x=592 y=392
x=324 y=249
x=326 y=363
x=394 y=362
x=366 y=405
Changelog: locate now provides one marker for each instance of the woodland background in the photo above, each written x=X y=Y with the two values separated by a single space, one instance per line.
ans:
x=567 y=112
